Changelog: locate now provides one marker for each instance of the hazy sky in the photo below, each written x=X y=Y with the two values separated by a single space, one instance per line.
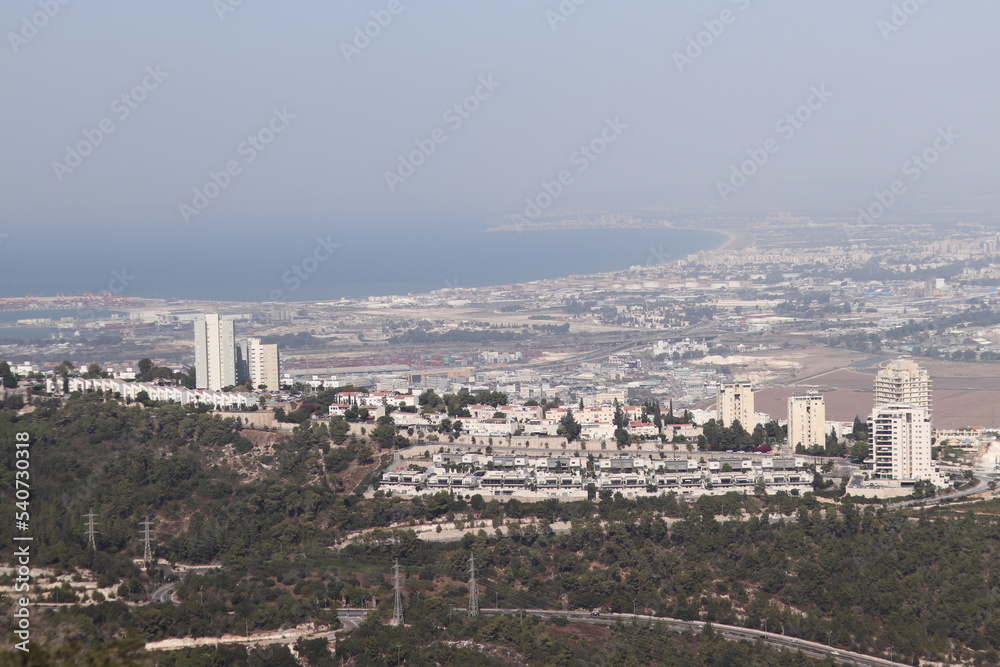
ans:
x=557 y=79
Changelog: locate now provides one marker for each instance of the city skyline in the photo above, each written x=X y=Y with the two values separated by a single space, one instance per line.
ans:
x=520 y=333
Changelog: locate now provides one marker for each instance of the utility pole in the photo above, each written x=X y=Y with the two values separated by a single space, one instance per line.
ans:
x=397 y=602
x=91 y=525
x=147 y=549
x=473 y=591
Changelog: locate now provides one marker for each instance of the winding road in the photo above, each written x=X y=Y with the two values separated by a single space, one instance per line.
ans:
x=164 y=594
x=981 y=486
x=732 y=632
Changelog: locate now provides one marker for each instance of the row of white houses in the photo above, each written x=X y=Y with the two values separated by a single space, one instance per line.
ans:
x=566 y=478
x=220 y=400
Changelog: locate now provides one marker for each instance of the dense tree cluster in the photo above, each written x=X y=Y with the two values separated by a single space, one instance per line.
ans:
x=456 y=405
x=716 y=437
x=8 y=379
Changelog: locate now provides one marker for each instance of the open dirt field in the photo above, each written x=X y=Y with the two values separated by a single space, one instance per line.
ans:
x=965 y=394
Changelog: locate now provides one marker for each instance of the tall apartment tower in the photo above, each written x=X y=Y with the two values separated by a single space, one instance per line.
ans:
x=900 y=437
x=806 y=420
x=214 y=352
x=258 y=363
x=735 y=402
x=903 y=381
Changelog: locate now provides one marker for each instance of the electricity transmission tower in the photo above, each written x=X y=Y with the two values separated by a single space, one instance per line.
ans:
x=91 y=542
x=473 y=590
x=397 y=603
x=147 y=550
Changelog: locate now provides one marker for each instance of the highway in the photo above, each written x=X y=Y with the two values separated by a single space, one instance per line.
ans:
x=732 y=632
x=981 y=486
x=603 y=349
x=351 y=618
x=164 y=594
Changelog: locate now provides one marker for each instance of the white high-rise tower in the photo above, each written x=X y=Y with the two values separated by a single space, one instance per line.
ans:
x=900 y=437
x=214 y=352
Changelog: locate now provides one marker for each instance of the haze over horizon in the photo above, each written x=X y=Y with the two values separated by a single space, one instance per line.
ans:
x=673 y=326
x=549 y=77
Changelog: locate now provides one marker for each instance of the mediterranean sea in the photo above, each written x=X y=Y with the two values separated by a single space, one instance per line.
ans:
x=277 y=265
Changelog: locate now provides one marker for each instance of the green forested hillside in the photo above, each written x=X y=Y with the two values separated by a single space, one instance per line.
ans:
x=269 y=507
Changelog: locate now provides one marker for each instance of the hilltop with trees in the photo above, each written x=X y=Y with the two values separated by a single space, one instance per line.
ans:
x=268 y=507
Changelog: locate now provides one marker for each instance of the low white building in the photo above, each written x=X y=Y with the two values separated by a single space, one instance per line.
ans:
x=220 y=400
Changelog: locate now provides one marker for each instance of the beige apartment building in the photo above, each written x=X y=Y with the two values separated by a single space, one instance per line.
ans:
x=735 y=402
x=806 y=420
x=260 y=364
x=903 y=381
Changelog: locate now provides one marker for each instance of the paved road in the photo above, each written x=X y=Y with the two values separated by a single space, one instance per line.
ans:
x=164 y=593
x=604 y=349
x=981 y=486
x=351 y=618
x=812 y=649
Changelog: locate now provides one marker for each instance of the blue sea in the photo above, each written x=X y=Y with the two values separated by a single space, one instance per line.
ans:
x=275 y=264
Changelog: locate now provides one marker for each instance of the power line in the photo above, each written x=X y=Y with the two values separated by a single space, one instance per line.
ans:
x=397 y=603
x=91 y=525
x=147 y=551
x=473 y=590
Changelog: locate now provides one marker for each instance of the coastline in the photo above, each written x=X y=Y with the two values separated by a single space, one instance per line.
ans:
x=735 y=240
x=730 y=240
